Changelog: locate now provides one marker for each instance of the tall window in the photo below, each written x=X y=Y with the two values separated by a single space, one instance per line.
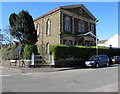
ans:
x=92 y=28
x=80 y=10
x=38 y=29
x=83 y=26
x=67 y=24
x=47 y=48
x=79 y=26
x=48 y=27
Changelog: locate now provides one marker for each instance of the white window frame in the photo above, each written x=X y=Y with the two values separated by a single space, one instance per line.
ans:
x=48 y=27
x=47 y=48
x=38 y=29
x=67 y=24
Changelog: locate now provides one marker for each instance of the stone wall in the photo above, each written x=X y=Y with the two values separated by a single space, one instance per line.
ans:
x=54 y=37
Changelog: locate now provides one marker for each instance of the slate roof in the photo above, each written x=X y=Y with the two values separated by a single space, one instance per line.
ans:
x=68 y=7
x=102 y=41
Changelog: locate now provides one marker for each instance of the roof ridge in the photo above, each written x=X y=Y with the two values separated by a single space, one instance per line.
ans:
x=66 y=7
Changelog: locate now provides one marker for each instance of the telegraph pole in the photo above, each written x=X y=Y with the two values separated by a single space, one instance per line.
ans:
x=96 y=40
x=1 y=37
x=96 y=46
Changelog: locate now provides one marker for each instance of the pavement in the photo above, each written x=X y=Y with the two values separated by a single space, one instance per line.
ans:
x=5 y=65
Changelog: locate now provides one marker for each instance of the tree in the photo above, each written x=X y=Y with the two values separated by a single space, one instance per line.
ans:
x=22 y=27
x=7 y=38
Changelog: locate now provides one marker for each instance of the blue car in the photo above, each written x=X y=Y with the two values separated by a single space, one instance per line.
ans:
x=98 y=60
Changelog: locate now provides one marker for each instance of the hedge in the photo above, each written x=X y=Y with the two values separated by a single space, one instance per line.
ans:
x=80 y=52
x=28 y=50
x=10 y=53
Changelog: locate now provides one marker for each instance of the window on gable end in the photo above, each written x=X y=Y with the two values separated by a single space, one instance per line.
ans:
x=83 y=26
x=92 y=28
x=67 y=24
x=79 y=26
x=48 y=26
x=80 y=11
x=38 y=29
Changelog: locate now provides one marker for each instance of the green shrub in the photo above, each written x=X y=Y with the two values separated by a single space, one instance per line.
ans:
x=13 y=53
x=10 y=53
x=28 y=50
x=80 y=52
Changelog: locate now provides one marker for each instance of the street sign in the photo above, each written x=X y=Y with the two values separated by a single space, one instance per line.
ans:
x=20 y=49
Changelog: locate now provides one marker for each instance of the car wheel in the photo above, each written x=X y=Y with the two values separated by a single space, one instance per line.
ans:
x=97 y=65
x=107 y=64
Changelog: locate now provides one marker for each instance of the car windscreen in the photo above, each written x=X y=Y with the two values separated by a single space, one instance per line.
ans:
x=94 y=58
x=115 y=57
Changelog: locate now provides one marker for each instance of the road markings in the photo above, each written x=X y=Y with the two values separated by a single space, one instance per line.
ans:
x=4 y=75
x=27 y=74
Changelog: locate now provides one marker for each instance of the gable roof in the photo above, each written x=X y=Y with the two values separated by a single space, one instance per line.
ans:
x=68 y=7
x=102 y=41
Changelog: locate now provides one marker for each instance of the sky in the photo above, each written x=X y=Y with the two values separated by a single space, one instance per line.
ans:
x=105 y=12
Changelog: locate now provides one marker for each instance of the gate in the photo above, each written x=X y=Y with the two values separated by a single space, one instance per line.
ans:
x=42 y=60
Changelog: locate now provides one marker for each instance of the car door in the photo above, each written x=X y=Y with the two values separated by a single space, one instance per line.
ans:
x=100 y=61
x=103 y=60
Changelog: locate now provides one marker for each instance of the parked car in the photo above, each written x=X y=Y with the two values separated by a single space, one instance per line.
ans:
x=116 y=59
x=97 y=61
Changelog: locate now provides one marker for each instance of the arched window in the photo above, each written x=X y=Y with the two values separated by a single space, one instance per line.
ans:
x=47 y=48
x=79 y=26
x=92 y=28
x=83 y=26
x=67 y=24
x=68 y=43
x=80 y=10
x=48 y=27
x=38 y=29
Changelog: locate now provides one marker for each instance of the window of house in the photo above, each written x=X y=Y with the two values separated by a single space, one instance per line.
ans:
x=79 y=26
x=47 y=48
x=67 y=24
x=92 y=28
x=68 y=43
x=48 y=28
x=80 y=10
x=83 y=27
x=38 y=29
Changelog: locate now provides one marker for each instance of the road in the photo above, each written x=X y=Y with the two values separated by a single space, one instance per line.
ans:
x=79 y=80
